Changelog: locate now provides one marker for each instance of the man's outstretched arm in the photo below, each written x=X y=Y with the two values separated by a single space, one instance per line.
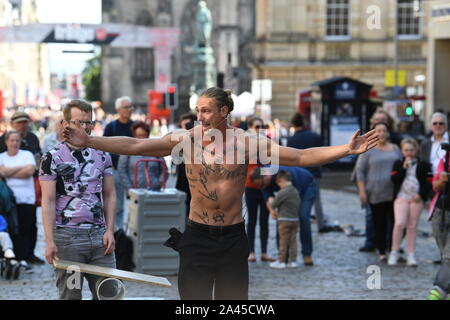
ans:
x=120 y=145
x=322 y=155
x=132 y=146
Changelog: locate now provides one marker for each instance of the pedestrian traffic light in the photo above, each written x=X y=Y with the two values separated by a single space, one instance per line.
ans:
x=172 y=97
x=409 y=111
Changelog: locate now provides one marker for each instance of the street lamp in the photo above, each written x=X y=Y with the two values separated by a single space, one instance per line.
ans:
x=396 y=16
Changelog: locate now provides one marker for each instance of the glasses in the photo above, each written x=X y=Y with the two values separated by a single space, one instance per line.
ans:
x=438 y=123
x=258 y=127
x=86 y=123
x=127 y=107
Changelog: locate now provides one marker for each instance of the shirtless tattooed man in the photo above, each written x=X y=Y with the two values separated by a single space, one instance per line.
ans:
x=214 y=247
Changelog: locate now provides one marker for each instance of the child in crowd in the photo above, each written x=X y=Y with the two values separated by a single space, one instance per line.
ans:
x=411 y=178
x=287 y=201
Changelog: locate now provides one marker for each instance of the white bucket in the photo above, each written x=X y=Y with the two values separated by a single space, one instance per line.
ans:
x=110 y=289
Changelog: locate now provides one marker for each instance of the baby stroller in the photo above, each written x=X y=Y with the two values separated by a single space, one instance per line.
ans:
x=9 y=266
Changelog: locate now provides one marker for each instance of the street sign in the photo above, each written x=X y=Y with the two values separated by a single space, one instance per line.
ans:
x=156 y=107
x=389 y=80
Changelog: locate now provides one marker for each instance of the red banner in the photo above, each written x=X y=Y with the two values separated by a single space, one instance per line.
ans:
x=156 y=107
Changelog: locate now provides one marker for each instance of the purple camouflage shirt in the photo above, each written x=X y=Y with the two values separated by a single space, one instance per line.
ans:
x=79 y=184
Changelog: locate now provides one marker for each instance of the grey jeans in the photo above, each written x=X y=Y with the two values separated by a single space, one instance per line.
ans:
x=441 y=232
x=84 y=246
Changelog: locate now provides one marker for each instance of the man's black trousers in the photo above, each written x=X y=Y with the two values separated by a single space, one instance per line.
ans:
x=213 y=262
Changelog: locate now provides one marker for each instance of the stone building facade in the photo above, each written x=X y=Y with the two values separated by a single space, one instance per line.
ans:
x=300 y=42
x=24 y=67
x=129 y=71
x=439 y=57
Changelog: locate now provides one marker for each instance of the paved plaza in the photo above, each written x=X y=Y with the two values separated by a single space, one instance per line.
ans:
x=339 y=271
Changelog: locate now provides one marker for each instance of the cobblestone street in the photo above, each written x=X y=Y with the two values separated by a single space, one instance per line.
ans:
x=339 y=271
x=116 y=114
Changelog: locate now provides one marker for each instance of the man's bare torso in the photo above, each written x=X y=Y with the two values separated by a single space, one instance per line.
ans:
x=217 y=189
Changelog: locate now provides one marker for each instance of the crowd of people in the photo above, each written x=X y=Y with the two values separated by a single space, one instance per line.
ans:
x=395 y=181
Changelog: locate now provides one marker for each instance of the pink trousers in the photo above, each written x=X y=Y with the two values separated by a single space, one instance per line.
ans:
x=407 y=213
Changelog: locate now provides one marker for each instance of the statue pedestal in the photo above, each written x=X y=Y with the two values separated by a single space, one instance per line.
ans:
x=203 y=65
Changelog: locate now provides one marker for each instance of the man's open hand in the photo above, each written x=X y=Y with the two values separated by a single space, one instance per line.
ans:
x=76 y=136
x=359 y=144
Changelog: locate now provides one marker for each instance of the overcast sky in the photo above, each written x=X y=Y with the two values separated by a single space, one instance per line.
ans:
x=68 y=11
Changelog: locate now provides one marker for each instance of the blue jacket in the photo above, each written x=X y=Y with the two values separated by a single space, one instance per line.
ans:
x=116 y=128
x=3 y=224
x=304 y=139
x=301 y=179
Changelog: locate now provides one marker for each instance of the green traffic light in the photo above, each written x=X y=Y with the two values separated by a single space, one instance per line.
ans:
x=409 y=111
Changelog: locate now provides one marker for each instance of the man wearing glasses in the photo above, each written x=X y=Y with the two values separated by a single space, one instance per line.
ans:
x=78 y=205
x=430 y=148
x=120 y=127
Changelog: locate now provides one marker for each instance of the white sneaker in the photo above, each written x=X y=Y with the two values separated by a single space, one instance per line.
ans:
x=277 y=265
x=9 y=254
x=292 y=264
x=26 y=267
x=393 y=258
x=411 y=260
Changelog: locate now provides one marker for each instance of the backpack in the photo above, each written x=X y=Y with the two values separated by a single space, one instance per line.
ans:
x=8 y=207
x=124 y=251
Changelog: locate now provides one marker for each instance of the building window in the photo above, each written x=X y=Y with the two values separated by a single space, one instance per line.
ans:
x=337 y=51
x=408 y=18
x=143 y=57
x=410 y=51
x=143 y=64
x=338 y=19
